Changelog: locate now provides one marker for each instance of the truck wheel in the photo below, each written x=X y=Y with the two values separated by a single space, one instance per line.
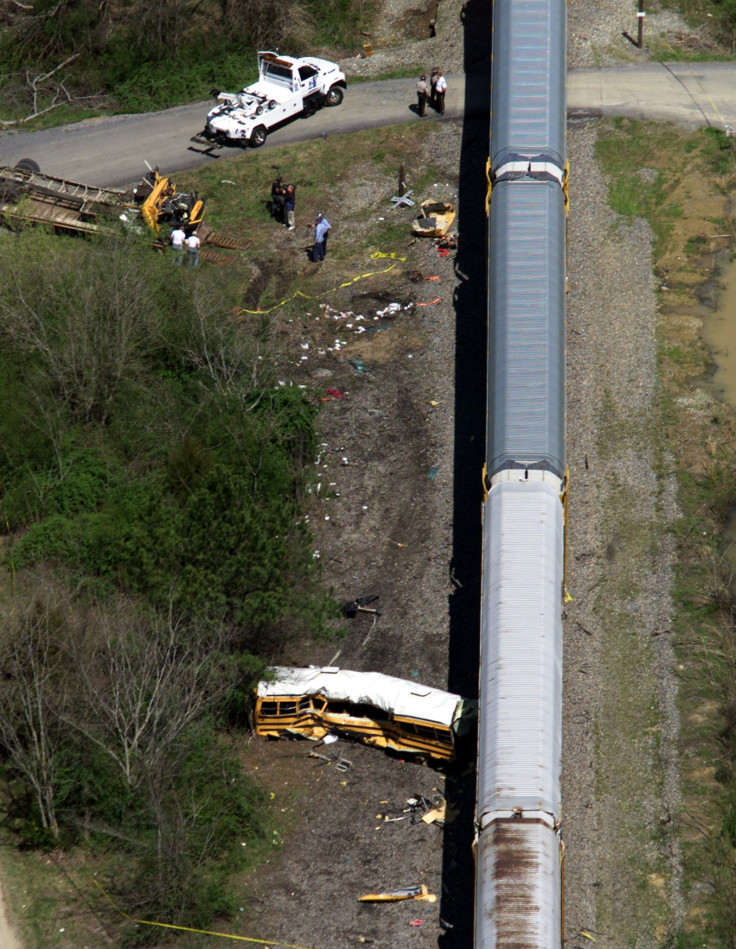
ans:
x=258 y=136
x=334 y=96
x=271 y=104
x=28 y=164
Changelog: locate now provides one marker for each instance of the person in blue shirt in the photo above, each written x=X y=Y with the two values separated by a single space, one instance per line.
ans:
x=289 y=202
x=321 y=227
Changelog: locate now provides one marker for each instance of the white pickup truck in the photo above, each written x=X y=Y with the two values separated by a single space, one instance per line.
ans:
x=286 y=87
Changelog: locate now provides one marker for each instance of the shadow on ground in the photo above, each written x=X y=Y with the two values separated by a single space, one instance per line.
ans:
x=458 y=872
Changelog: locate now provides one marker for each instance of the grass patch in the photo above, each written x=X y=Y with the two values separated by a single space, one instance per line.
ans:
x=701 y=435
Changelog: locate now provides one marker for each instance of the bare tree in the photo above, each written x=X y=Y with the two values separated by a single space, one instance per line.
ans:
x=29 y=691
x=45 y=91
x=85 y=319
x=141 y=686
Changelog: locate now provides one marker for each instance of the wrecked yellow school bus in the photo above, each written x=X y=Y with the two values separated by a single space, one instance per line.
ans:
x=377 y=709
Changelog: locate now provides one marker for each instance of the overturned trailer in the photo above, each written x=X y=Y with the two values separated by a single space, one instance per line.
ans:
x=155 y=206
x=29 y=196
x=377 y=709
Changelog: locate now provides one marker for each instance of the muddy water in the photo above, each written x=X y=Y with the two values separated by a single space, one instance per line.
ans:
x=719 y=333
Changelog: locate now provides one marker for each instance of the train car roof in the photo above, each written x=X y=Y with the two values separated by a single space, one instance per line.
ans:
x=518 y=885
x=526 y=318
x=520 y=725
x=529 y=70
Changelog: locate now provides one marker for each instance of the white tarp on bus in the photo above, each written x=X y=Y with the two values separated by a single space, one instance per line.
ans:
x=395 y=696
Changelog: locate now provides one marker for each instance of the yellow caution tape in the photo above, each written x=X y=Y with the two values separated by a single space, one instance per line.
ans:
x=189 y=929
x=376 y=255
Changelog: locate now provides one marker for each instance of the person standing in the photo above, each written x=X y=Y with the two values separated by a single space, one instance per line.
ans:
x=193 y=244
x=289 y=202
x=422 y=93
x=321 y=228
x=432 y=86
x=177 y=242
x=440 y=88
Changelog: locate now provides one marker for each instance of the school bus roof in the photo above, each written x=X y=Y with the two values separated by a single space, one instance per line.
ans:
x=397 y=696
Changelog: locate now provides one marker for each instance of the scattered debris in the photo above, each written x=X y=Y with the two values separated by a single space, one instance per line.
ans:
x=420 y=809
x=403 y=200
x=335 y=393
x=436 y=814
x=435 y=219
x=416 y=892
x=351 y=608
x=416 y=922
x=396 y=543
x=358 y=366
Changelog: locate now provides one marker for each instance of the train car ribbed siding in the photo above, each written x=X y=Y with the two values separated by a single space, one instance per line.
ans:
x=519 y=731
x=520 y=906
x=528 y=80
x=526 y=327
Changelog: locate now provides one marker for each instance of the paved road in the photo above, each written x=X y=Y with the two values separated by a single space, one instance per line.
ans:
x=113 y=151
x=693 y=93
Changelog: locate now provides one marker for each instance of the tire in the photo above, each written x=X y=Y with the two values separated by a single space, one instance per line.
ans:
x=259 y=110
x=334 y=96
x=28 y=164
x=258 y=136
x=271 y=104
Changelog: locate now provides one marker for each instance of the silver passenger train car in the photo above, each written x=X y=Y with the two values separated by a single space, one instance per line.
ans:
x=518 y=846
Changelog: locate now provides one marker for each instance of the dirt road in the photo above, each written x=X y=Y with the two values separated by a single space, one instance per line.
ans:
x=8 y=938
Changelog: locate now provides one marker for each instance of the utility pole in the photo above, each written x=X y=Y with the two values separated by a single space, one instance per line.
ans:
x=639 y=41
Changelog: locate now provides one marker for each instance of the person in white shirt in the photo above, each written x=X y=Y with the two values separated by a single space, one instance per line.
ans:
x=177 y=242
x=440 y=88
x=193 y=244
